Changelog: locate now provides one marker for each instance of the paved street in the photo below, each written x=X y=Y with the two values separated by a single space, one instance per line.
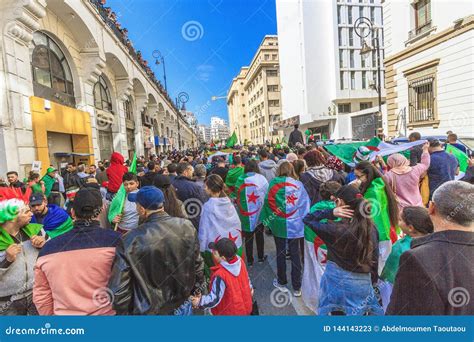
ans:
x=272 y=302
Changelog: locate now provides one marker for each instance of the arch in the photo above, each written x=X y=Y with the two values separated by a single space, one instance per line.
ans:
x=52 y=69
x=116 y=66
x=138 y=87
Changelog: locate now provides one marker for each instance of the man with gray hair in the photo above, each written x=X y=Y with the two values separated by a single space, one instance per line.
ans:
x=436 y=276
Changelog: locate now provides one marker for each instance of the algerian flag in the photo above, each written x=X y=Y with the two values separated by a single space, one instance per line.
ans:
x=346 y=152
x=462 y=158
x=286 y=204
x=379 y=213
x=30 y=229
x=232 y=177
x=315 y=257
x=251 y=189
x=219 y=219
x=116 y=206
x=48 y=184
x=232 y=140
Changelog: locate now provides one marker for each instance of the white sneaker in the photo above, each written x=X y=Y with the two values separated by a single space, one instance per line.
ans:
x=280 y=287
x=297 y=293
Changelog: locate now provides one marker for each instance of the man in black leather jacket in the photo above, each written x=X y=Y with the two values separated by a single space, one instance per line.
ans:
x=159 y=264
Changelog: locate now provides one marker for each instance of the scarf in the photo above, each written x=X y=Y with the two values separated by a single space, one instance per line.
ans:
x=6 y=240
x=399 y=164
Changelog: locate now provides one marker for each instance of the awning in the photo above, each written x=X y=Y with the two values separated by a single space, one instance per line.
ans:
x=71 y=154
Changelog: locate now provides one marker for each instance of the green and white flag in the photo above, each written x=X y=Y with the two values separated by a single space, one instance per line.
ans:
x=116 y=205
x=315 y=257
x=285 y=206
x=462 y=158
x=250 y=190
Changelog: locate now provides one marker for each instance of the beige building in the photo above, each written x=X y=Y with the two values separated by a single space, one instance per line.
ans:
x=73 y=89
x=253 y=100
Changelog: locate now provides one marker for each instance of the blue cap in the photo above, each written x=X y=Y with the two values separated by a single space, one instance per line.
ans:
x=149 y=197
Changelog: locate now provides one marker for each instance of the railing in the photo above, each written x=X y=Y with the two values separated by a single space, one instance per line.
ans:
x=108 y=16
x=421 y=100
x=419 y=30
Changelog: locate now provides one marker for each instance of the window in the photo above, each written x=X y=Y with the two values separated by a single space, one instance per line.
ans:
x=102 y=99
x=339 y=14
x=128 y=109
x=362 y=61
x=365 y=105
x=364 y=80
x=341 y=80
x=361 y=11
x=267 y=57
x=372 y=14
x=351 y=37
x=273 y=103
x=51 y=70
x=374 y=59
x=344 y=108
x=352 y=58
x=340 y=36
x=422 y=13
x=353 y=81
x=274 y=57
x=421 y=99
x=272 y=73
x=349 y=14
x=341 y=58
x=272 y=88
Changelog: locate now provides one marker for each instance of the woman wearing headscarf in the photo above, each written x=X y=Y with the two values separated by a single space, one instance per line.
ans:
x=404 y=179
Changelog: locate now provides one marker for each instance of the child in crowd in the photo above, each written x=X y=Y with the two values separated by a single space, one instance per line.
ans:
x=415 y=222
x=128 y=220
x=352 y=260
x=231 y=291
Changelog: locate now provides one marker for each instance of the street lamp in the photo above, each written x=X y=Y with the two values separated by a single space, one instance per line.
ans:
x=215 y=98
x=182 y=99
x=360 y=26
x=159 y=59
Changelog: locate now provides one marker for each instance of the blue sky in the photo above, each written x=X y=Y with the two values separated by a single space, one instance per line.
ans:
x=204 y=42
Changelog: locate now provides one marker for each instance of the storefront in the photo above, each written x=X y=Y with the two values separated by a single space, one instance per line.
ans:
x=71 y=133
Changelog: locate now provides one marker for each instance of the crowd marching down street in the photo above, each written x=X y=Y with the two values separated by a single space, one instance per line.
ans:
x=364 y=228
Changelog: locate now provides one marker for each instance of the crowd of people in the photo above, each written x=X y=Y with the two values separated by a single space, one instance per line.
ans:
x=183 y=240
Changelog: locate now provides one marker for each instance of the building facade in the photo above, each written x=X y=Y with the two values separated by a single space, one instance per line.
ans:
x=204 y=134
x=73 y=88
x=429 y=67
x=219 y=129
x=325 y=81
x=253 y=100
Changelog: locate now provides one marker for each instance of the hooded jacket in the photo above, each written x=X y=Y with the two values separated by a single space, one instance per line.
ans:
x=268 y=169
x=314 y=177
x=230 y=292
x=115 y=172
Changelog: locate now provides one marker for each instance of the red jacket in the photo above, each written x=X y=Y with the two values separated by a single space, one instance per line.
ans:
x=115 y=172
x=237 y=299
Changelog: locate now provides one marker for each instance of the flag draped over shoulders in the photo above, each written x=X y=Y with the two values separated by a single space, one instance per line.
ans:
x=285 y=206
x=116 y=205
x=6 y=240
x=315 y=255
x=250 y=190
x=57 y=221
x=232 y=177
x=462 y=158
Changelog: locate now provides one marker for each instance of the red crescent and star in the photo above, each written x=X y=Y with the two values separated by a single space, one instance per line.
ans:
x=252 y=198
x=290 y=199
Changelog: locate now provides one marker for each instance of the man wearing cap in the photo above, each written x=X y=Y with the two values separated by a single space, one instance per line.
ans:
x=159 y=264
x=72 y=270
x=55 y=220
x=53 y=186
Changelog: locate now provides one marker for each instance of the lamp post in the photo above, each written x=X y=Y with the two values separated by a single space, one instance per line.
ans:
x=360 y=26
x=159 y=59
x=182 y=99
